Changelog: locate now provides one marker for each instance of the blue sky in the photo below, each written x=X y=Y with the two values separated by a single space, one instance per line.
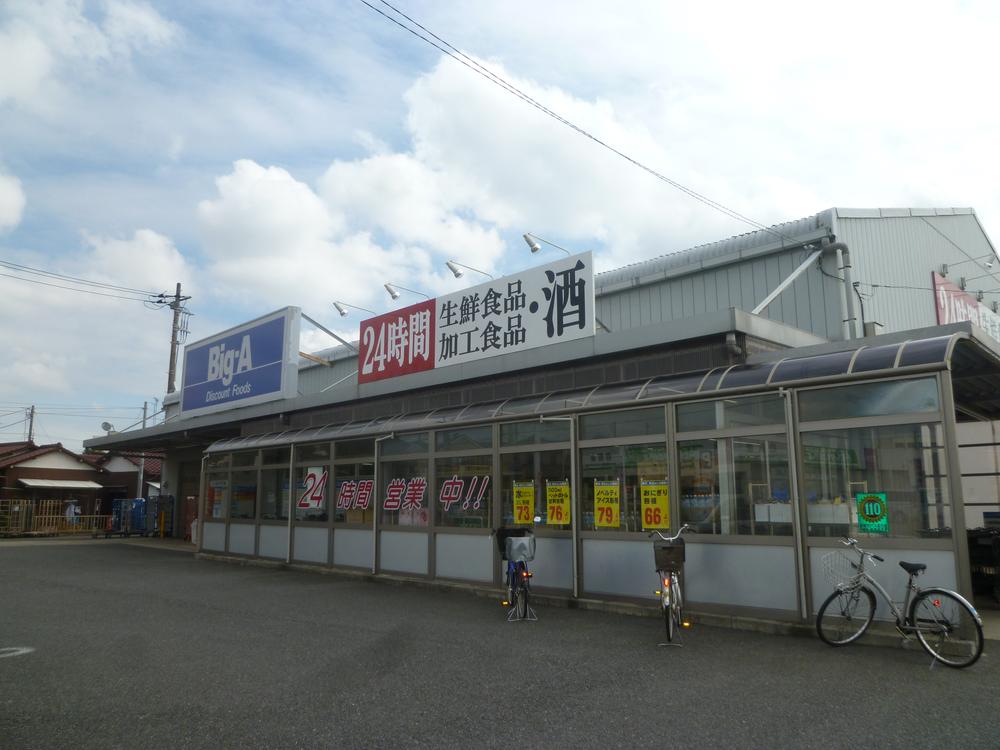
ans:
x=267 y=154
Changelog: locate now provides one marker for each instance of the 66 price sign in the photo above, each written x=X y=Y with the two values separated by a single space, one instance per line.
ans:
x=655 y=504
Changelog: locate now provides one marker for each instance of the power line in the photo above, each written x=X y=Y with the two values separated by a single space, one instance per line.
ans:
x=75 y=289
x=479 y=69
x=41 y=272
x=20 y=421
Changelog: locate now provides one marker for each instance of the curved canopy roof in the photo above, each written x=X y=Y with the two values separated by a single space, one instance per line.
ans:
x=865 y=361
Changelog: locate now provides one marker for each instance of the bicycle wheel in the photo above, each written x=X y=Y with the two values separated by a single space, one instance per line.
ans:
x=947 y=627
x=676 y=601
x=522 y=602
x=845 y=616
x=667 y=602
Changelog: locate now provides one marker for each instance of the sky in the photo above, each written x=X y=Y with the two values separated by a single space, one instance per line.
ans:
x=266 y=154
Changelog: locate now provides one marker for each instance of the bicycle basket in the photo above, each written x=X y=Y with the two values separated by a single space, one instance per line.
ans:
x=520 y=548
x=841 y=571
x=669 y=555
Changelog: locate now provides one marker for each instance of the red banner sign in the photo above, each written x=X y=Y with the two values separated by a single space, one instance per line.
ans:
x=397 y=343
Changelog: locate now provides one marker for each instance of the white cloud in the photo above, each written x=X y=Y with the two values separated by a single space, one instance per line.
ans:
x=43 y=36
x=91 y=342
x=12 y=201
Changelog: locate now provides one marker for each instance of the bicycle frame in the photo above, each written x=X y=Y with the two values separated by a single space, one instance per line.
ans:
x=912 y=591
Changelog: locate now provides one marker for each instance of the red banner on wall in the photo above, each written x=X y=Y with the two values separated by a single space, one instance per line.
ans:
x=397 y=343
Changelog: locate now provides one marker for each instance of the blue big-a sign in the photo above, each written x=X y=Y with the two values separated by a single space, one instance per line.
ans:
x=249 y=364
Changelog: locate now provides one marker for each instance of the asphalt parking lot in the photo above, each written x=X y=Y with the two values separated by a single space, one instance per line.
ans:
x=135 y=646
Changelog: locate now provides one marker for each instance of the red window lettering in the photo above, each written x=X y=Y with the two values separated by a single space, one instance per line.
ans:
x=364 y=497
x=394 y=494
x=414 y=497
x=472 y=491
x=346 y=496
x=451 y=492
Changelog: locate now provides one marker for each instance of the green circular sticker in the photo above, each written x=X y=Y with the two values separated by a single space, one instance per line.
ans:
x=872 y=508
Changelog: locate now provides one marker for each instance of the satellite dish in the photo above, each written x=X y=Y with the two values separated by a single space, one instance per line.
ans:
x=107 y=427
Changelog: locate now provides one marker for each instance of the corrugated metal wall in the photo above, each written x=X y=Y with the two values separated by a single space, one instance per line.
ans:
x=902 y=251
x=812 y=303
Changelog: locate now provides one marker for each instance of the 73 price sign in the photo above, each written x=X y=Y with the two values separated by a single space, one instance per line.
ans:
x=524 y=502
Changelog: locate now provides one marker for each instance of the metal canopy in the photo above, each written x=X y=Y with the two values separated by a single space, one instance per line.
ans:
x=976 y=378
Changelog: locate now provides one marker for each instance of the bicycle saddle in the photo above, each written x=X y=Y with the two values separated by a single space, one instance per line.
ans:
x=912 y=568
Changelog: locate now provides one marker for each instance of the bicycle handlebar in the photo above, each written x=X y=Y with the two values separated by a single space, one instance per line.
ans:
x=673 y=538
x=851 y=542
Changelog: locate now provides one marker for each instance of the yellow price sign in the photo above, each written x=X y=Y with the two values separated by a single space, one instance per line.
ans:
x=655 y=504
x=557 y=503
x=524 y=502
x=607 y=504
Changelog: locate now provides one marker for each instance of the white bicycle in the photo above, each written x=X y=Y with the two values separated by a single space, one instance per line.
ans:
x=947 y=626
x=669 y=555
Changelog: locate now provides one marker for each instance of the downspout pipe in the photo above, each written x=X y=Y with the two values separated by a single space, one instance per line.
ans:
x=845 y=254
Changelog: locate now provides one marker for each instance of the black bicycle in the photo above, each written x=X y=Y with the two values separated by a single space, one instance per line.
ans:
x=517 y=549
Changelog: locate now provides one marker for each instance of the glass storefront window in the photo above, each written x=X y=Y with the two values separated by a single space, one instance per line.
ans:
x=548 y=472
x=311 y=492
x=885 y=481
x=245 y=459
x=276 y=456
x=416 y=442
x=274 y=494
x=736 y=485
x=629 y=423
x=622 y=466
x=533 y=433
x=354 y=492
x=216 y=496
x=869 y=400
x=355 y=449
x=469 y=438
x=244 y=500
x=463 y=490
x=727 y=413
x=217 y=461
x=403 y=495
x=314 y=452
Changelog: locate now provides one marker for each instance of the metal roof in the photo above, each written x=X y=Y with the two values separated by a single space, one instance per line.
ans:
x=916 y=355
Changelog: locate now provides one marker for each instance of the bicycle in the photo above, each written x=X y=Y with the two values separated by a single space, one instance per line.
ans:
x=669 y=556
x=517 y=548
x=947 y=626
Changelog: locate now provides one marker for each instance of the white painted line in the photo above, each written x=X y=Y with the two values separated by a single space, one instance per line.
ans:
x=15 y=651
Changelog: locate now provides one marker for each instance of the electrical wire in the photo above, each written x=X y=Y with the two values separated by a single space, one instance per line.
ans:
x=74 y=289
x=476 y=67
x=20 y=421
x=65 y=277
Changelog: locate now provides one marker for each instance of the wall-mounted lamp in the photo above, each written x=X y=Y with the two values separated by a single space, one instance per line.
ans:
x=533 y=241
x=394 y=293
x=991 y=259
x=456 y=268
x=342 y=308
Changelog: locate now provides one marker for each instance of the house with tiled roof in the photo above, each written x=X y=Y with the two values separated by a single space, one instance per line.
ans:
x=49 y=472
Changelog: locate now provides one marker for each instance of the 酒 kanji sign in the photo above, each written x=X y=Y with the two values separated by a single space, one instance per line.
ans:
x=543 y=305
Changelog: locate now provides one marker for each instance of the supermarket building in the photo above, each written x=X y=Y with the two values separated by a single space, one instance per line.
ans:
x=835 y=375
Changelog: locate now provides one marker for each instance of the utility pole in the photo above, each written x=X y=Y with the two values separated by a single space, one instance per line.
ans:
x=176 y=306
x=31 y=424
x=142 y=458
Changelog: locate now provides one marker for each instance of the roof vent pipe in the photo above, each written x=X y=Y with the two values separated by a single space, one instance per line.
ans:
x=850 y=317
x=734 y=348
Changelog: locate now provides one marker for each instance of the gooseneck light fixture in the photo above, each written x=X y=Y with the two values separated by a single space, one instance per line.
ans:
x=342 y=308
x=456 y=268
x=393 y=290
x=990 y=260
x=533 y=240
